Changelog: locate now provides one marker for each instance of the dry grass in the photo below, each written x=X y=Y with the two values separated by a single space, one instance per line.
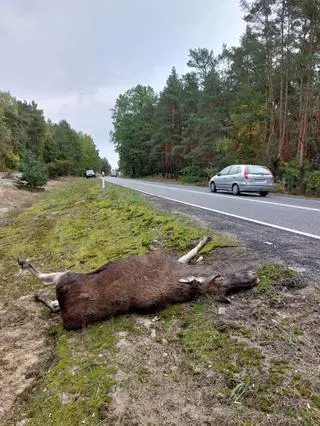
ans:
x=12 y=198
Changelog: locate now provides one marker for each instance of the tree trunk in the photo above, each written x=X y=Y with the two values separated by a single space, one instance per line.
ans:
x=305 y=104
x=270 y=93
x=283 y=142
x=281 y=109
x=305 y=111
x=271 y=137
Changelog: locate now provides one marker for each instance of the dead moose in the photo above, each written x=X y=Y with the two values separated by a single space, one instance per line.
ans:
x=139 y=284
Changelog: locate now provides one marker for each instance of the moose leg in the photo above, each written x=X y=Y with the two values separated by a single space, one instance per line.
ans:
x=51 y=304
x=50 y=278
x=192 y=253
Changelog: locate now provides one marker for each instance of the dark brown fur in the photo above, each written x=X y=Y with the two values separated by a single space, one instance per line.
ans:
x=137 y=284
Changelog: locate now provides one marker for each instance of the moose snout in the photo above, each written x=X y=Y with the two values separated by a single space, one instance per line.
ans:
x=245 y=280
x=253 y=276
x=235 y=282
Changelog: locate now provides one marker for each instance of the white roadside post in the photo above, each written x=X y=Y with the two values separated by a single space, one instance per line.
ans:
x=102 y=180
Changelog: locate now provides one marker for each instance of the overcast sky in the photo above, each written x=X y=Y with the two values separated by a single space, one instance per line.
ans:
x=74 y=57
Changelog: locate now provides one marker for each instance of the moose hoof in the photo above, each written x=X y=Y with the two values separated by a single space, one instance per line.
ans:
x=23 y=263
x=37 y=297
x=224 y=299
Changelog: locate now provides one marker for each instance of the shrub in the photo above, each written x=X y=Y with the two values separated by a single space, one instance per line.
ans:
x=34 y=172
x=60 y=168
x=53 y=170
x=289 y=173
x=210 y=171
x=311 y=181
x=10 y=159
x=192 y=174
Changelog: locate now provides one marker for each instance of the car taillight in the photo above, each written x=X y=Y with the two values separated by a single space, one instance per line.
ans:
x=246 y=172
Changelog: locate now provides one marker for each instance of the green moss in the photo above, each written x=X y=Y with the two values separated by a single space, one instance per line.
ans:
x=238 y=365
x=81 y=227
x=236 y=329
x=172 y=312
x=316 y=399
x=245 y=374
x=214 y=348
x=143 y=374
x=278 y=369
x=270 y=274
x=83 y=371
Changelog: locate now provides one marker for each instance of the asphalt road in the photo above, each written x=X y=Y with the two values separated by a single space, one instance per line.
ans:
x=259 y=224
x=291 y=214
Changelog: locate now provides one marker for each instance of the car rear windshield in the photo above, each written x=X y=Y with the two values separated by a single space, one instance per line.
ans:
x=258 y=170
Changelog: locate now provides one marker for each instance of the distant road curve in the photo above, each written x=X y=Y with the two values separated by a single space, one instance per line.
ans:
x=296 y=215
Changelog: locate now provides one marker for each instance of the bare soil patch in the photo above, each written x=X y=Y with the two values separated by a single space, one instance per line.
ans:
x=24 y=349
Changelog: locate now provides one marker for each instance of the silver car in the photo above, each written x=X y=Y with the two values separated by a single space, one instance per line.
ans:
x=243 y=178
x=90 y=173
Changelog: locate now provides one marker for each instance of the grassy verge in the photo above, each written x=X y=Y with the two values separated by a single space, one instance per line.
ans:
x=244 y=375
x=78 y=383
x=245 y=361
x=257 y=362
x=80 y=227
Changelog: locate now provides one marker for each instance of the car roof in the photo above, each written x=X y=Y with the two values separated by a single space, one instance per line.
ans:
x=255 y=165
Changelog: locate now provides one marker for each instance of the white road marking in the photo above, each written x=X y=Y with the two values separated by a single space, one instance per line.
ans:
x=258 y=222
x=293 y=206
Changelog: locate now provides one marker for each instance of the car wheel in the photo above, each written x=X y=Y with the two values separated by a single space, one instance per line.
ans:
x=235 y=189
x=213 y=187
x=263 y=193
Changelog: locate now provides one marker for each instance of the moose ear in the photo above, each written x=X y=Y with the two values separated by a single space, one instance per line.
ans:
x=192 y=279
x=215 y=276
x=187 y=280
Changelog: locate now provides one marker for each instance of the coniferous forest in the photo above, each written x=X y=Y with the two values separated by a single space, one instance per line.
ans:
x=258 y=102
x=27 y=138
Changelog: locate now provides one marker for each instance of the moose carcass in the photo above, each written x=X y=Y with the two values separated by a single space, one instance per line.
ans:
x=136 y=284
